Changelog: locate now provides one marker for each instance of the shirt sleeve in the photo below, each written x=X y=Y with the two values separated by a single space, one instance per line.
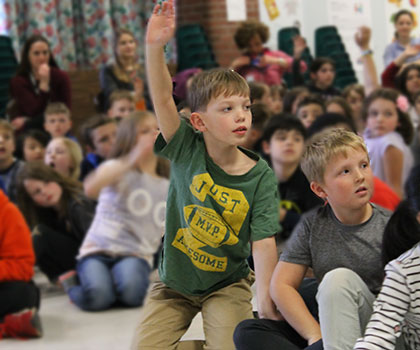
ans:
x=389 y=311
x=298 y=247
x=388 y=55
x=265 y=211
x=180 y=147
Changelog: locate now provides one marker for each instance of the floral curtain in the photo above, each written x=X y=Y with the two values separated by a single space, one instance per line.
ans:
x=80 y=32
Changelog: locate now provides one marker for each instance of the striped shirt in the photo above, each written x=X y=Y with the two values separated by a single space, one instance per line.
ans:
x=396 y=310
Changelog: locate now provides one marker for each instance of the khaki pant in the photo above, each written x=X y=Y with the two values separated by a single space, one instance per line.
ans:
x=167 y=315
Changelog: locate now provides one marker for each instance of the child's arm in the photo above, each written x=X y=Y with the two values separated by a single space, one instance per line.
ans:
x=393 y=164
x=110 y=172
x=264 y=253
x=389 y=311
x=160 y=30
x=286 y=279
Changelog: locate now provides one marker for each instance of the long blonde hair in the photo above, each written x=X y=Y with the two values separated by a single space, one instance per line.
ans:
x=126 y=139
x=117 y=68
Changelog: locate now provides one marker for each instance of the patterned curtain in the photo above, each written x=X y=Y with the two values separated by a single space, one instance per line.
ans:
x=80 y=32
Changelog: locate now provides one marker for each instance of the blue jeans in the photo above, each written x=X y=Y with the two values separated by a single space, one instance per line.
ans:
x=105 y=280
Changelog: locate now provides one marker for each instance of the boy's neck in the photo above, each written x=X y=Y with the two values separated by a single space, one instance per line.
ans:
x=284 y=171
x=354 y=217
x=6 y=163
x=228 y=157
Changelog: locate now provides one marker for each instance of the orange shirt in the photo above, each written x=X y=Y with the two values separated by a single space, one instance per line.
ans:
x=17 y=257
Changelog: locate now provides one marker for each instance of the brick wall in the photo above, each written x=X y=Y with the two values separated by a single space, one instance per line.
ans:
x=211 y=14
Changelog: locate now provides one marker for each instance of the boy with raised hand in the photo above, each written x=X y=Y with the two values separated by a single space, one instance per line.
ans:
x=221 y=197
x=341 y=241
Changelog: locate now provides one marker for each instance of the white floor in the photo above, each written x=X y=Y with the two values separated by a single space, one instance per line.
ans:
x=68 y=328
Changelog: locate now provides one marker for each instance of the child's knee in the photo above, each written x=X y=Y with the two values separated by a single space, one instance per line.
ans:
x=338 y=282
x=133 y=293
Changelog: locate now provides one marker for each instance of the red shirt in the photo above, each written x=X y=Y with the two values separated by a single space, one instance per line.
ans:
x=17 y=257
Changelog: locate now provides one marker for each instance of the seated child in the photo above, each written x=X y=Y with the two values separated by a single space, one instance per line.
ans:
x=341 y=241
x=65 y=156
x=116 y=256
x=57 y=120
x=354 y=94
x=58 y=213
x=31 y=145
x=395 y=311
x=339 y=105
x=283 y=141
x=18 y=294
x=382 y=195
x=310 y=108
x=277 y=94
x=260 y=116
x=121 y=104
x=322 y=74
x=98 y=135
x=9 y=165
x=388 y=134
x=260 y=93
x=221 y=197
x=293 y=97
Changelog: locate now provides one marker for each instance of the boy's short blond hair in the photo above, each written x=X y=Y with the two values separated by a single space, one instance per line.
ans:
x=324 y=147
x=57 y=108
x=118 y=95
x=213 y=83
x=5 y=125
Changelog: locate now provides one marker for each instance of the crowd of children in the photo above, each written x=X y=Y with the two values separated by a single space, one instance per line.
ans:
x=299 y=183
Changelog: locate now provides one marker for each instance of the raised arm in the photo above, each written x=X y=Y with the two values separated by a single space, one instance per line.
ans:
x=370 y=76
x=160 y=30
x=285 y=282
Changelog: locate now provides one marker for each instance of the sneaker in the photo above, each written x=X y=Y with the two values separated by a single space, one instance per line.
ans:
x=69 y=279
x=23 y=325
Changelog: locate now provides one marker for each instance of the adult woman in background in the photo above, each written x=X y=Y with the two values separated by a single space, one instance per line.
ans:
x=404 y=23
x=125 y=73
x=37 y=82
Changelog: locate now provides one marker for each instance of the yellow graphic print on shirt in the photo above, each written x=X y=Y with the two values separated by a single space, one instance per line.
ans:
x=206 y=227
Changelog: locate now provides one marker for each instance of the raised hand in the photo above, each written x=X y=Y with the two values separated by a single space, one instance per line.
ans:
x=161 y=26
x=362 y=37
x=299 y=45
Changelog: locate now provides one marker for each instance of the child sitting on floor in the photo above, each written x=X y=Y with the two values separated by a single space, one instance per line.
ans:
x=116 y=256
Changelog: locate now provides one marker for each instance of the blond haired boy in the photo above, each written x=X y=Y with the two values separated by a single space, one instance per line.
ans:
x=121 y=104
x=221 y=197
x=57 y=120
x=341 y=241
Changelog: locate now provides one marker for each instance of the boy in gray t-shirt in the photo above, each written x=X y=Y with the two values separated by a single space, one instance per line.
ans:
x=340 y=241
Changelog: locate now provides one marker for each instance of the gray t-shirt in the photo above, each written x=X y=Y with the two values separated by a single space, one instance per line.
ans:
x=129 y=218
x=324 y=243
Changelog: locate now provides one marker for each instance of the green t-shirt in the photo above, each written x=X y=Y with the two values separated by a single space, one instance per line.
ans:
x=212 y=216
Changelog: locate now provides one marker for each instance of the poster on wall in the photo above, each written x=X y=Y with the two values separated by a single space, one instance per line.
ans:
x=236 y=10
x=278 y=14
x=347 y=16
x=392 y=7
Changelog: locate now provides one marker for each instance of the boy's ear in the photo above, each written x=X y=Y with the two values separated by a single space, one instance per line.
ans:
x=418 y=217
x=89 y=149
x=265 y=147
x=318 y=190
x=197 y=122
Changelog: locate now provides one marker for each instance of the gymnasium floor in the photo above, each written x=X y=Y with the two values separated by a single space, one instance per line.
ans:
x=68 y=328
